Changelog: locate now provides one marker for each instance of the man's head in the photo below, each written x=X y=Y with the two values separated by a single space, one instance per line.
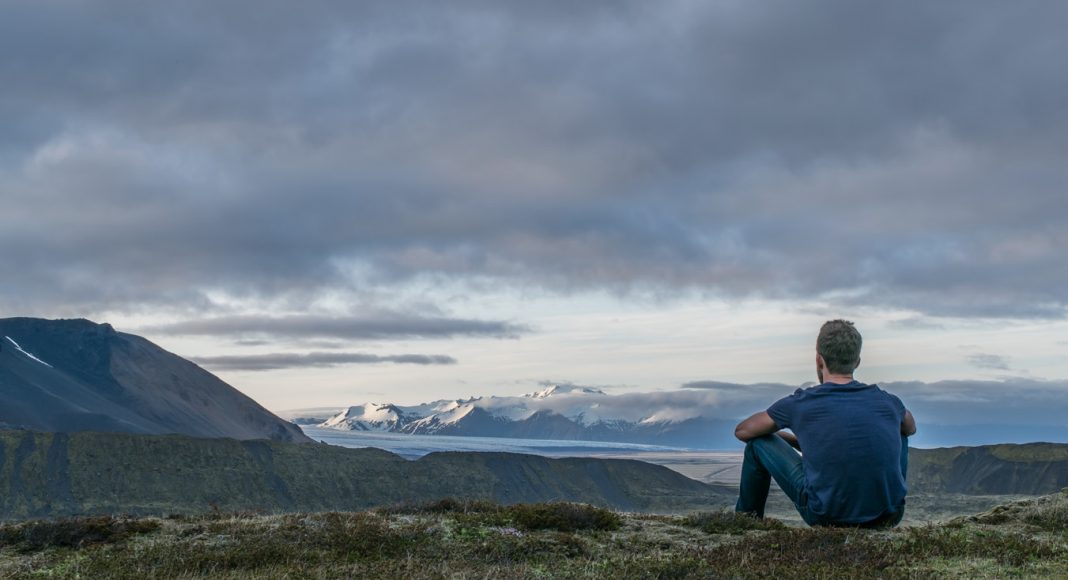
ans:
x=839 y=346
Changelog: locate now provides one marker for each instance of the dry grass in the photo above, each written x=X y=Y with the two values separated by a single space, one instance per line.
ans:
x=480 y=539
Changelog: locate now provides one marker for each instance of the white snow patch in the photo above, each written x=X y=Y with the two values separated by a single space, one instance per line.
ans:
x=19 y=348
x=564 y=389
x=455 y=414
x=368 y=417
x=670 y=416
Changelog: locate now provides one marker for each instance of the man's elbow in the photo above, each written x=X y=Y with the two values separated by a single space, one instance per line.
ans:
x=742 y=434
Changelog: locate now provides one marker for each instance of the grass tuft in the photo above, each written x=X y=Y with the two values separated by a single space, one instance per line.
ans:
x=729 y=522
x=816 y=552
x=564 y=517
x=1006 y=547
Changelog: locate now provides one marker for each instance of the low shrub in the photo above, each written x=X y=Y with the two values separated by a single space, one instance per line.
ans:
x=729 y=522
x=560 y=516
x=1053 y=518
x=443 y=506
x=73 y=532
x=564 y=517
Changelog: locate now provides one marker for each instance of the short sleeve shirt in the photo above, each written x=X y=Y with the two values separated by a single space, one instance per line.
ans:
x=850 y=437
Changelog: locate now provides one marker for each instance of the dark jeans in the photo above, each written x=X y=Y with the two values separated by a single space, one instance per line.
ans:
x=770 y=457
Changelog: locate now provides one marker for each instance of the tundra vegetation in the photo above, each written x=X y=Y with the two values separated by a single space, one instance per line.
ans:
x=456 y=538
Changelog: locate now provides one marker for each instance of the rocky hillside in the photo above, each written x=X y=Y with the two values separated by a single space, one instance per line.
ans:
x=45 y=475
x=1030 y=469
x=75 y=375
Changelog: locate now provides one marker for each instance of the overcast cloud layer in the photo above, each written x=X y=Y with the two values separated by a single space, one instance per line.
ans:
x=1017 y=401
x=285 y=360
x=381 y=325
x=898 y=154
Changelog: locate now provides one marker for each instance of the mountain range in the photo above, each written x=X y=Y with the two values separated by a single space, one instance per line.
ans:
x=76 y=375
x=563 y=412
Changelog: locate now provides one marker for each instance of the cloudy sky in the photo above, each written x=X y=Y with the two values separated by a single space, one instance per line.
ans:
x=404 y=201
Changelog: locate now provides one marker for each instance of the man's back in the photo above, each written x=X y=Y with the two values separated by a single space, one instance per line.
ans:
x=854 y=440
x=851 y=439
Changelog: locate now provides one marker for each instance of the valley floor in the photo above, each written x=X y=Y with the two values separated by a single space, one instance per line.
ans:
x=452 y=539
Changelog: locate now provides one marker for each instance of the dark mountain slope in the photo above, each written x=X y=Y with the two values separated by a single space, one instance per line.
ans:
x=57 y=474
x=75 y=375
x=1029 y=469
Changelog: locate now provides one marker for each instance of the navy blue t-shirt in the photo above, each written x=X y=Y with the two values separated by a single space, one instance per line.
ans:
x=850 y=437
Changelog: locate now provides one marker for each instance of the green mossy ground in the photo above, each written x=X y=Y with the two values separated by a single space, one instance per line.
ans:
x=456 y=539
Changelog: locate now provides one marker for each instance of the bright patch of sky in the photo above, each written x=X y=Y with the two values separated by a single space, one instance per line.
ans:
x=644 y=344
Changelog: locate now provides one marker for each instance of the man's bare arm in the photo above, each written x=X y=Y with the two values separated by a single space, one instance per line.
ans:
x=790 y=438
x=908 y=424
x=758 y=425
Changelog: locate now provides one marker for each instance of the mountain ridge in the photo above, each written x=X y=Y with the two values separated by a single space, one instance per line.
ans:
x=1027 y=469
x=76 y=375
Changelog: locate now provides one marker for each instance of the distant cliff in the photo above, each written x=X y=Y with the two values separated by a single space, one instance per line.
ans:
x=75 y=375
x=59 y=474
x=1029 y=469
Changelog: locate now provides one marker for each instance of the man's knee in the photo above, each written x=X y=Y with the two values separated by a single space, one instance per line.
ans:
x=754 y=447
x=753 y=444
x=764 y=442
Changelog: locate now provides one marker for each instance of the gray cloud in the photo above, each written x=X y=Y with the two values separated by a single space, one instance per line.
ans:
x=1007 y=402
x=917 y=323
x=947 y=412
x=571 y=384
x=989 y=361
x=375 y=326
x=274 y=361
x=157 y=153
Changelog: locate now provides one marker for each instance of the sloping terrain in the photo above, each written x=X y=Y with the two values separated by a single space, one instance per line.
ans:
x=1028 y=469
x=60 y=474
x=75 y=375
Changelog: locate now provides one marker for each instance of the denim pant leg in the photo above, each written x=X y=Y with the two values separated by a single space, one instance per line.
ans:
x=904 y=474
x=765 y=458
x=904 y=457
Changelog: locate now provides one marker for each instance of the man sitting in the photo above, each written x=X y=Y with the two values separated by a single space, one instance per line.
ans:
x=854 y=438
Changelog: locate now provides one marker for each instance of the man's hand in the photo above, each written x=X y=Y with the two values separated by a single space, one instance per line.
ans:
x=758 y=425
x=790 y=438
x=908 y=424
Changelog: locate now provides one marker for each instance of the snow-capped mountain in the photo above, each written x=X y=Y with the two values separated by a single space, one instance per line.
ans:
x=557 y=412
x=369 y=417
